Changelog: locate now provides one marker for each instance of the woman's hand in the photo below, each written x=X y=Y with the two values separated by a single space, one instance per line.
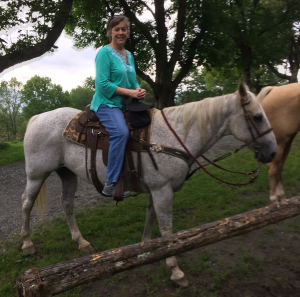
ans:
x=138 y=93
x=141 y=94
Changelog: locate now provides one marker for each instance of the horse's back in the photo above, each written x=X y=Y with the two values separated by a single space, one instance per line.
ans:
x=43 y=138
x=282 y=107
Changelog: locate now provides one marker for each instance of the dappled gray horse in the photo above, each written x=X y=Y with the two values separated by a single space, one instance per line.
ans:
x=198 y=124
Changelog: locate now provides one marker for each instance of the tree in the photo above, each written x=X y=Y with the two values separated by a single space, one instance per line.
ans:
x=292 y=61
x=40 y=95
x=80 y=97
x=181 y=34
x=259 y=30
x=31 y=28
x=10 y=102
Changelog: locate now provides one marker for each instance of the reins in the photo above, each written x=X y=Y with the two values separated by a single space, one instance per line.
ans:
x=257 y=151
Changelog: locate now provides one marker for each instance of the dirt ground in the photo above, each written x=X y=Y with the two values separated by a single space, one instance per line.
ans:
x=263 y=263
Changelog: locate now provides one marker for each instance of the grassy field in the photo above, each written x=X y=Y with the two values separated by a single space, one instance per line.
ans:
x=201 y=200
x=12 y=152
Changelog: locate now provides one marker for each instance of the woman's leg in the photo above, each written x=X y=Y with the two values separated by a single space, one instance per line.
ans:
x=114 y=123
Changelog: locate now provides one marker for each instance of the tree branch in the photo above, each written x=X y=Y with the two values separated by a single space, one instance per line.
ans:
x=162 y=30
x=145 y=77
x=43 y=46
x=178 y=43
x=276 y=72
x=144 y=29
x=148 y=7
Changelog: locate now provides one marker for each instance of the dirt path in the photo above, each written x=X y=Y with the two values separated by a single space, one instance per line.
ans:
x=13 y=181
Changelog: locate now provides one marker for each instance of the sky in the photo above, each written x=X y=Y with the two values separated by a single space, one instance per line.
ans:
x=67 y=66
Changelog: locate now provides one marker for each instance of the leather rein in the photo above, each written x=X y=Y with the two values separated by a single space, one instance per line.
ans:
x=251 y=126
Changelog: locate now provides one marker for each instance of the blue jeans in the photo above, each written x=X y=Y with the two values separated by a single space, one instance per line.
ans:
x=115 y=124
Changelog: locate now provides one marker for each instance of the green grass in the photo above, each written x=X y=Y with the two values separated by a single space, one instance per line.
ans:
x=106 y=226
x=13 y=153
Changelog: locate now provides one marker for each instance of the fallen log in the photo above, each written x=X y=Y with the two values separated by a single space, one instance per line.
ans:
x=58 y=278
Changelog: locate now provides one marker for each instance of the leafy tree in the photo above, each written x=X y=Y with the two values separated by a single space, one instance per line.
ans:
x=207 y=82
x=10 y=103
x=30 y=28
x=40 y=95
x=89 y=83
x=259 y=30
x=80 y=97
x=292 y=60
x=180 y=34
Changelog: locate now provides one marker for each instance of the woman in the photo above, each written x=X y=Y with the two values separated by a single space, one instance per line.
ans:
x=115 y=78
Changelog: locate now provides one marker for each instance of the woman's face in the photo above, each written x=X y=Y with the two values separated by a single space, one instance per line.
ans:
x=119 y=34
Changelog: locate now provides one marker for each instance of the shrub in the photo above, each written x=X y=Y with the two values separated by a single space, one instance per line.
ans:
x=3 y=145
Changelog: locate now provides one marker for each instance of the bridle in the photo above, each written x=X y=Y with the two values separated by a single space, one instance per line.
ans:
x=251 y=126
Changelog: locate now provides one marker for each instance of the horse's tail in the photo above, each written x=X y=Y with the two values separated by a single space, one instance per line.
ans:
x=41 y=202
x=263 y=93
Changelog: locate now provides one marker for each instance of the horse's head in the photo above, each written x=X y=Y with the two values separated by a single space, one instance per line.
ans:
x=250 y=125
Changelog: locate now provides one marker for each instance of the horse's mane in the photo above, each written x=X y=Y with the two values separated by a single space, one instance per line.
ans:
x=263 y=93
x=205 y=113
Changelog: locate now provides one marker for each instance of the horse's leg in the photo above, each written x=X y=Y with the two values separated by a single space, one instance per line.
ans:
x=150 y=218
x=31 y=191
x=279 y=189
x=69 y=187
x=163 y=205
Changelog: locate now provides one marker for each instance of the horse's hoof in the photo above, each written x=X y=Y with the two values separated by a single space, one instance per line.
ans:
x=182 y=282
x=29 y=249
x=86 y=249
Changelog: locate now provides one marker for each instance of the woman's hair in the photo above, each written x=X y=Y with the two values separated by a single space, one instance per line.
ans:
x=114 y=21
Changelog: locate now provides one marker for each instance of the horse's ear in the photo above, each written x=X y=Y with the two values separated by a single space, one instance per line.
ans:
x=243 y=89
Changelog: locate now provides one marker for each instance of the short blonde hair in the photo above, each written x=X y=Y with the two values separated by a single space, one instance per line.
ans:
x=114 y=21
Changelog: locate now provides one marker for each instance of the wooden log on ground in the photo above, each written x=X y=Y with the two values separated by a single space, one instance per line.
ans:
x=58 y=278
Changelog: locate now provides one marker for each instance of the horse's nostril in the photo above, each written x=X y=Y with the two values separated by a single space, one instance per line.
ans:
x=273 y=155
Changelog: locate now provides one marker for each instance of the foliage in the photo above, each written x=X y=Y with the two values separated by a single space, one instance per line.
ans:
x=3 y=145
x=89 y=83
x=204 y=82
x=40 y=95
x=259 y=31
x=12 y=152
x=10 y=103
x=81 y=97
x=29 y=28
x=149 y=99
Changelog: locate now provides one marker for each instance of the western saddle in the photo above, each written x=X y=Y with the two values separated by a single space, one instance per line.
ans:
x=96 y=137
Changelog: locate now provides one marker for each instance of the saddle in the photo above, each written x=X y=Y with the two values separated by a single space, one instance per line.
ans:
x=93 y=135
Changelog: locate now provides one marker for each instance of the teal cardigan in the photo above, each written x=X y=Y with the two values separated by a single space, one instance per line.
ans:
x=112 y=71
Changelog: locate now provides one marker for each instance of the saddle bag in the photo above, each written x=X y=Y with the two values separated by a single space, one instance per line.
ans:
x=138 y=115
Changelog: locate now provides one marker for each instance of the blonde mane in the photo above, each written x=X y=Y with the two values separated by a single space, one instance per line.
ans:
x=206 y=114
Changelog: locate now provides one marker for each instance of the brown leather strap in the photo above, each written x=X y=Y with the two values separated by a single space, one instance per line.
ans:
x=98 y=185
x=133 y=174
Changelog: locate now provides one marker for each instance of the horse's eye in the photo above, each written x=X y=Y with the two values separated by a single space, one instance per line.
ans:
x=257 y=118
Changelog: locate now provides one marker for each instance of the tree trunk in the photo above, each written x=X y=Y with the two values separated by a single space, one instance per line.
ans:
x=58 y=278
x=164 y=96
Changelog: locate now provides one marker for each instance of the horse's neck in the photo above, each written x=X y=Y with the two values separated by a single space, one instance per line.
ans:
x=197 y=144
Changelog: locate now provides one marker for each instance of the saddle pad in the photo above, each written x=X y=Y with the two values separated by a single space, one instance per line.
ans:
x=73 y=135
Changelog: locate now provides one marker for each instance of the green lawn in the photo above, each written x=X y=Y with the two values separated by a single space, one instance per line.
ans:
x=201 y=200
x=13 y=153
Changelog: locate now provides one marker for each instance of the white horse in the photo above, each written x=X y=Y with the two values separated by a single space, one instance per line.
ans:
x=198 y=124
